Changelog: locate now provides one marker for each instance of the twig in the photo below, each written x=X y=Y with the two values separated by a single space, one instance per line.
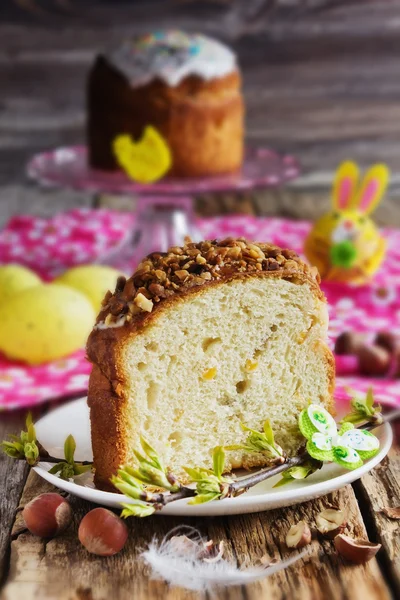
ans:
x=389 y=418
x=234 y=488
x=46 y=457
x=162 y=499
x=54 y=460
x=245 y=483
x=242 y=485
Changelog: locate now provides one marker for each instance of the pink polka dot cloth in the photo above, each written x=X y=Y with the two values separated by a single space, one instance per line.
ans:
x=50 y=246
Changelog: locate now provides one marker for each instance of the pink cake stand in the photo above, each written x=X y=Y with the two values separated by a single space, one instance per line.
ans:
x=165 y=209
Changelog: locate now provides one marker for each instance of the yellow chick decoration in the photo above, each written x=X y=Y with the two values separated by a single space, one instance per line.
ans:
x=144 y=161
x=345 y=244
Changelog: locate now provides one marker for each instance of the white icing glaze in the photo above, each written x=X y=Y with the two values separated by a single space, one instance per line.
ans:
x=171 y=56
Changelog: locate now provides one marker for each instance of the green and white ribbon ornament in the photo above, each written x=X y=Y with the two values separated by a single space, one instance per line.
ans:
x=348 y=446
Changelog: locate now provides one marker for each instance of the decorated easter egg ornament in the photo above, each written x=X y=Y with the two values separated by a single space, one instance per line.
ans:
x=146 y=160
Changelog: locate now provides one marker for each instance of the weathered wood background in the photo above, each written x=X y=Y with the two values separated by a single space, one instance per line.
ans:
x=321 y=80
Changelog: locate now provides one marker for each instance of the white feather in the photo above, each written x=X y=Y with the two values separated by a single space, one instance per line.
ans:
x=180 y=565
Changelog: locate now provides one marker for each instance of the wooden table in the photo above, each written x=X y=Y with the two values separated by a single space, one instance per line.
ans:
x=61 y=569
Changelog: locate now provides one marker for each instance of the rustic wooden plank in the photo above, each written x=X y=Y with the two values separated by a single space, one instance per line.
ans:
x=329 y=16
x=62 y=568
x=379 y=489
x=12 y=478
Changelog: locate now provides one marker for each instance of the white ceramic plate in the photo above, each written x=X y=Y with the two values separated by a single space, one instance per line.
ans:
x=74 y=418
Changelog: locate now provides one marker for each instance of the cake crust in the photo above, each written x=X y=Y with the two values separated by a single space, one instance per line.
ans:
x=140 y=301
x=201 y=120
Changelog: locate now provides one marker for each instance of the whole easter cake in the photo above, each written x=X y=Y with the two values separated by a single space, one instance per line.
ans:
x=199 y=340
x=187 y=87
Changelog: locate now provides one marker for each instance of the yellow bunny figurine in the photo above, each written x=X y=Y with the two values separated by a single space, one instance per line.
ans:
x=345 y=244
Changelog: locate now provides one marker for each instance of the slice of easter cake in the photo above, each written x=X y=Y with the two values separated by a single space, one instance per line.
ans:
x=202 y=339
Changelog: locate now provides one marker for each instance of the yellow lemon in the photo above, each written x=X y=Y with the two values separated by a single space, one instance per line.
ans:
x=92 y=280
x=44 y=323
x=14 y=279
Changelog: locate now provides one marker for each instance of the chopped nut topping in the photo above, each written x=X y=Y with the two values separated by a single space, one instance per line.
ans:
x=163 y=274
x=206 y=275
x=144 y=303
x=182 y=274
x=108 y=319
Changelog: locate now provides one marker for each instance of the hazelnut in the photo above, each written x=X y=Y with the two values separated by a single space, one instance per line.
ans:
x=390 y=342
x=212 y=552
x=206 y=275
x=386 y=340
x=373 y=360
x=299 y=535
x=350 y=342
x=47 y=515
x=101 y=532
x=330 y=522
x=182 y=274
x=144 y=303
x=357 y=550
x=392 y=513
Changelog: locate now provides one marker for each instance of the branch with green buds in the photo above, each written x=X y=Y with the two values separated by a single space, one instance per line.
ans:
x=364 y=410
x=210 y=484
x=260 y=443
x=302 y=471
x=136 y=483
x=150 y=472
x=24 y=446
x=27 y=447
x=68 y=468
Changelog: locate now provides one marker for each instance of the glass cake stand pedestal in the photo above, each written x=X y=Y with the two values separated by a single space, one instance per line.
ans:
x=164 y=210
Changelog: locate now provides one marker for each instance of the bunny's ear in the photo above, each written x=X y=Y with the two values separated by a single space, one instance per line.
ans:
x=372 y=189
x=344 y=186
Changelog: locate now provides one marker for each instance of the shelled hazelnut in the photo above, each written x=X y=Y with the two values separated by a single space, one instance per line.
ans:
x=298 y=536
x=330 y=522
